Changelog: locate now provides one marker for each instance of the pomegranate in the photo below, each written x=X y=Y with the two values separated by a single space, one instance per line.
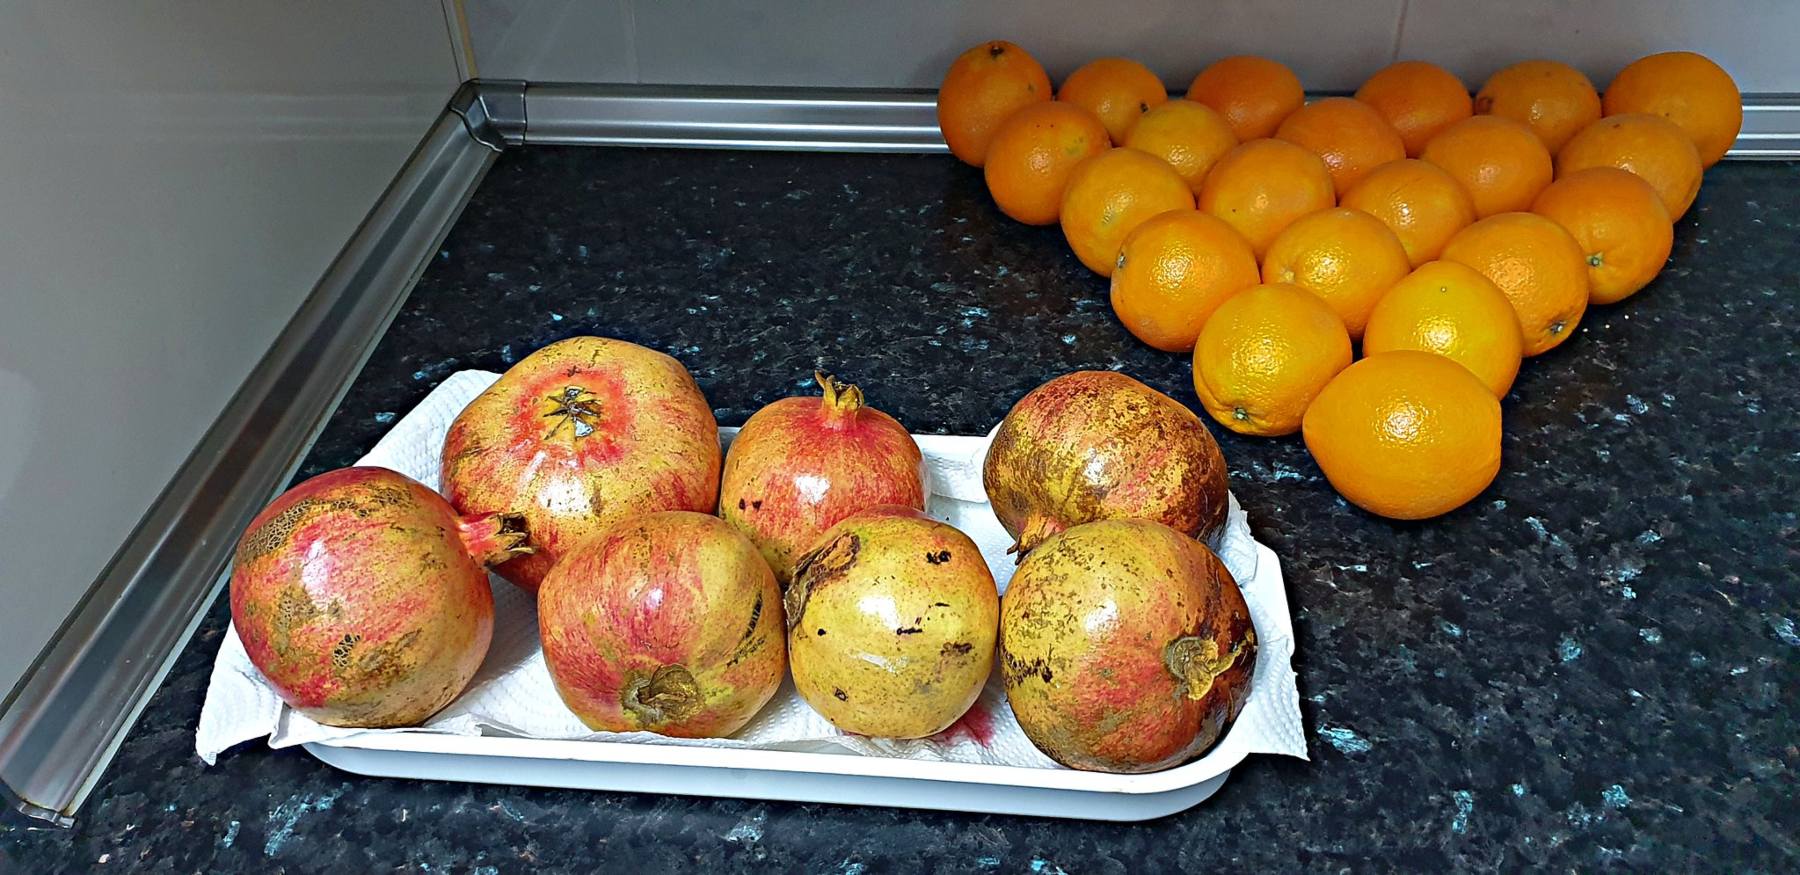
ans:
x=668 y=622
x=802 y=464
x=580 y=433
x=1096 y=445
x=363 y=598
x=891 y=623
x=1125 y=646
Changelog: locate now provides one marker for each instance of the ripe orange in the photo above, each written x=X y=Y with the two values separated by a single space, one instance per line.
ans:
x=1173 y=272
x=1452 y=310
x=1264 y=354
x=1031 y=155
x=1349 y=135
x=1190 y=136
x=1687 y=89
x=1118 y=90
x=1537 y=265
x=1500 y=161
x=1620 y=223
x=1262 y=186
x=1423 y=205
x=1648 y=145
x=985 y=85
x=1406 y=434
x=1254 y=94
x=1111 y=194
x=1346 y=257
x=1552 y=98
x=1418 y=99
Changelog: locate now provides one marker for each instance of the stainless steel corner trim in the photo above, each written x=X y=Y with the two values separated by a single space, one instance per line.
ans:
x=845 y=120
x=64 y=721
x=1771 y=128
x=810 y=119
x=492 y=110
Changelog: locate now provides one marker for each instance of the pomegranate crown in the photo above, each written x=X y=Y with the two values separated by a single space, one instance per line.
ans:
x=841 y=399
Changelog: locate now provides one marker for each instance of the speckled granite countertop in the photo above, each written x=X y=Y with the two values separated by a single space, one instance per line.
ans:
x=1593 y=664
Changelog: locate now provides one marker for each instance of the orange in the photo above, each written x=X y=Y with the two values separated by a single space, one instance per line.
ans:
x=1190 y=136
x=1687 y=89
x=1262 y=186
x=1112 y=193
x=1620 y=223
x=985 y=85
x=1118 y=90
x=1264 y=354
x=1418 y=99
x=1254 y=94
x=1501 y=163
x=1032 y=154
x=1406 y=434
x=1452 y=310
x=1346 y=257
x=1648 y=145
x=1553 y=99
x=1423 y=205
x=1173 y=272
x=1537 y=265
x=1349 y=135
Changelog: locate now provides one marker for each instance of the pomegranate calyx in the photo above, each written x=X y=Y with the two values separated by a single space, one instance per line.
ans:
x=493 y=538
x=841 y=400
x=1037 y=529
x=574 y=407
x=668 y=695
x=1197 y=662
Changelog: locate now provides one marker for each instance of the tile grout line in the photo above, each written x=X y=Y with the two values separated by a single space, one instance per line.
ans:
x=1399 y=30
x=631 y=35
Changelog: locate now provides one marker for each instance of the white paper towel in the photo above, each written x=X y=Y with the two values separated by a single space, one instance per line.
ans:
x=513 y=695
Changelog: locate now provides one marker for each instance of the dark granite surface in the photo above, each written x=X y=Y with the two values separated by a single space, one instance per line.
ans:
x=1592 y=665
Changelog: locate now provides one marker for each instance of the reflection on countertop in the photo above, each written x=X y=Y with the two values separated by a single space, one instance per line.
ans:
x=1591 y=664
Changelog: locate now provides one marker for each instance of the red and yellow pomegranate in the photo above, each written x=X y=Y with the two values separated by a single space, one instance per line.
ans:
x=891 y=624
x=1125 y=646
x=802 y=464
x=1095 y=445
x=578 y=434
x=668 y=622
x=363 y=598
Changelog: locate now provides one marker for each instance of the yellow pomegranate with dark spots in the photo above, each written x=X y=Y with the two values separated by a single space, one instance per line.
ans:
x=1096 y=445
x=892 y=618
x=1125 y=646
x=580 y=433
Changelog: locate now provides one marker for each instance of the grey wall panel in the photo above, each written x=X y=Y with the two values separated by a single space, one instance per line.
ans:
x=174 y=177
x=1333 y=46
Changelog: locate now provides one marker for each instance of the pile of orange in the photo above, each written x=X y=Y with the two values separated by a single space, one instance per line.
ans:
x=1449 y=235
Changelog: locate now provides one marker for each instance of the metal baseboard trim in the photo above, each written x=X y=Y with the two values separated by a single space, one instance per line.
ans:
x=867 y=120
x=64 y=722
x=684 y=117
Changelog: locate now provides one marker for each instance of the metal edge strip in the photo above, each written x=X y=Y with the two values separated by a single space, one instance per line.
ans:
x=63 y=722
x=868 y=120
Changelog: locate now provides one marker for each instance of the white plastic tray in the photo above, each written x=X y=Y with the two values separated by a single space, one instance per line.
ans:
x=840 y=769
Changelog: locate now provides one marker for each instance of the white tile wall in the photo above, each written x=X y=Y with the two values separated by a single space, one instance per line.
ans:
x=1332 y=45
